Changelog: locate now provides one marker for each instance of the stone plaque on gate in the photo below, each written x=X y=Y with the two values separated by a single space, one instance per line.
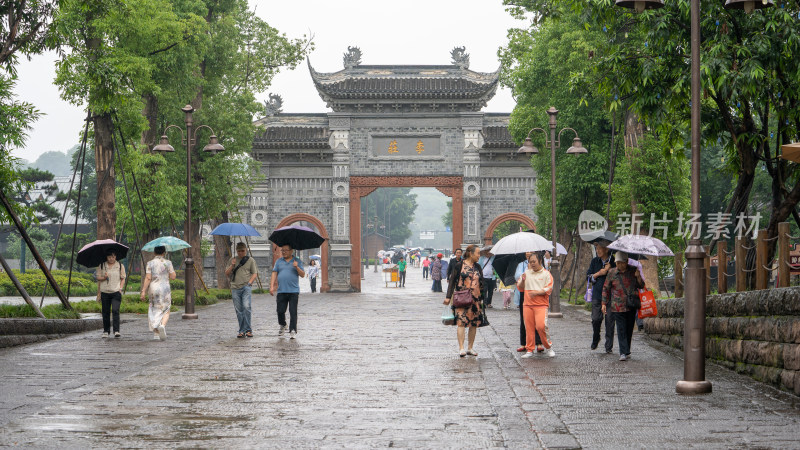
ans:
x=405 y=146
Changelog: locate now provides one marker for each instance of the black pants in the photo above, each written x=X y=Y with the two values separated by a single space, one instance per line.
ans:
x=402 y=279
x=522 y=330
x=597 y=320
x=110 y=309
x=314 y=284
x=425 y=273
x=290 y=300
x=490 y=284
x=625 y=322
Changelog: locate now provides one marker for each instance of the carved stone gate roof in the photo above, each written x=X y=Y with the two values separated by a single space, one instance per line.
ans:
x=362 y=86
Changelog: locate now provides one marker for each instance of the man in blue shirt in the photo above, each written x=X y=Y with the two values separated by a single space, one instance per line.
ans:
x=284 y=282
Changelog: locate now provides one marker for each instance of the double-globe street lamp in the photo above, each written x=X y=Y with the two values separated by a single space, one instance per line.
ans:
x=694 y=331
x=576 y=149
x=189 y=139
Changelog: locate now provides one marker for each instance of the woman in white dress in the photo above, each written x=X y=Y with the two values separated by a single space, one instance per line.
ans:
x=159 y=272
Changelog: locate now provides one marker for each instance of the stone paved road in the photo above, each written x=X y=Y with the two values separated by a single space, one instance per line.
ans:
x=375 y=369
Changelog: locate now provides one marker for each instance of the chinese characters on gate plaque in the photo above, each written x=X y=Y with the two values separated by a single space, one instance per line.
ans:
x=419 y=148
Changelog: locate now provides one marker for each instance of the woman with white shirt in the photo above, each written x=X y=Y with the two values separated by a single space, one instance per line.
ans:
x=313 y=272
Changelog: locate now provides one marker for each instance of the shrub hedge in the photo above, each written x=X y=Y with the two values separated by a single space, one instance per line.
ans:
x=34 y=281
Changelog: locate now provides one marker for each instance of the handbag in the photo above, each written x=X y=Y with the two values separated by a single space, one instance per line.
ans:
x=447 y=316
x=648 y=304
x=484 y=319
x=588 y=296
x=633 y=302
x=462 y=298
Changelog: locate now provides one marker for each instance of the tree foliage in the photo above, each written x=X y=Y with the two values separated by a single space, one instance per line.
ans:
x=537 y=64
x=394 y=209
x=41 y=240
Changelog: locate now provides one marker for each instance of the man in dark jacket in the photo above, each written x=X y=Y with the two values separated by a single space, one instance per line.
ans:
x=453 y=261
x=598 y=269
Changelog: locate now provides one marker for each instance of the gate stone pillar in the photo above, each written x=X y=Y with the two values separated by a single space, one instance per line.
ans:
x=473 y=141
x=341 y=248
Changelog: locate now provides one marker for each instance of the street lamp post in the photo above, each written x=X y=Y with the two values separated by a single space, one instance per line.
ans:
x=363 y=245
x=376 y=254
x=189 y=139
x=576 y=148
x=694 y=320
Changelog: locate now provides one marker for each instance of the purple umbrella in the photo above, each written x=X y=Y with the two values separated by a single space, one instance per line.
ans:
x=297 y=237
x=94 y=253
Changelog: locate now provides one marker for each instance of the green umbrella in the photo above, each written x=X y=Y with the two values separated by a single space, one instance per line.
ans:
x=171 y=243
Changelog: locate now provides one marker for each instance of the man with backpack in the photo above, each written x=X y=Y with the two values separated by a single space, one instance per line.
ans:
x=243 y=272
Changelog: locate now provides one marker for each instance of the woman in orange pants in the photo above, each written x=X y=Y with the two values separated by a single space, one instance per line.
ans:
x=536 y=284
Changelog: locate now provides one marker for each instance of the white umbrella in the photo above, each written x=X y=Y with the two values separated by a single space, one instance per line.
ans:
x=560 y=250
x=521 y=242
x=641 y=245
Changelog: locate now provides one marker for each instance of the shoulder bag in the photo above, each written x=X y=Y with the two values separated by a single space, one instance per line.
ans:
x=462 y=298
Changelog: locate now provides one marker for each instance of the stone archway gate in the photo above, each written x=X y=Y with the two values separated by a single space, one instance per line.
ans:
x=409 y=126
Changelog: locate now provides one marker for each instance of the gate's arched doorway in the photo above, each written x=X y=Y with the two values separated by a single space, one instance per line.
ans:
x=522 y=218
x=452 y=187
x=324 y=250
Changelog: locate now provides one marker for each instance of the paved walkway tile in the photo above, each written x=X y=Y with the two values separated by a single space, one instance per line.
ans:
x=375 y=369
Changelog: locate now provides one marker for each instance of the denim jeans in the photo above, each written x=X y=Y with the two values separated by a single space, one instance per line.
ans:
x=241 y=303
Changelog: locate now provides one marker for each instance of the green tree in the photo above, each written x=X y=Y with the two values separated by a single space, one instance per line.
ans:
x=394 y=208
x=750 y=74
x=508 y=227
x=537 y=64
x=24 y=29
x=41 y=240
x=447 y=218
x=661 y=185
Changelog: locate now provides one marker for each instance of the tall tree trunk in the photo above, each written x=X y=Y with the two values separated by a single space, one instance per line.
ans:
x=222 y=254
x=106 y=201
x=634 y=132
x=150 y=112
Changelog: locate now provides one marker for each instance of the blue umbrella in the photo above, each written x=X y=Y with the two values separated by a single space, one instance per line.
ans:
x=317 y=257
x=234 y=229
x=171 y=243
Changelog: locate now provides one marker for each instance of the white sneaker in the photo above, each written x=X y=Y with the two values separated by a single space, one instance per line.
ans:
x=116 y=334
x=162 y=332
x=550 y=353
x=104 y=335
x=527 y=355
x=282 y=330
x=156 y=337
x=292 y=334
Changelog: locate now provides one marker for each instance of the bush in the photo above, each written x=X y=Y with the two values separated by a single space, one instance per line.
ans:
x=128 y=306
x=49 y=311
x=34 y=281
x=222 y=294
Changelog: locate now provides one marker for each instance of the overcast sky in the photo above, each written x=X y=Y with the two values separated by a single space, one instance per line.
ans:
x=408 y=32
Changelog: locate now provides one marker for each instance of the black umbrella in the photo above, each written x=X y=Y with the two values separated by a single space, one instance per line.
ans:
x=506 y=266
x=608 y=236
x=94 y=253
x=297 y=237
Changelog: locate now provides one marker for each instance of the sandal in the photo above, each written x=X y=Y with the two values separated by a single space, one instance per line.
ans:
x=462 y=354
x=240 y=335
x=249 y=334
x=472 y=352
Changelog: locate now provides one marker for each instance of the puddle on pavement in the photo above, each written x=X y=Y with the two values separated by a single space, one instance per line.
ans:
x=195 y=399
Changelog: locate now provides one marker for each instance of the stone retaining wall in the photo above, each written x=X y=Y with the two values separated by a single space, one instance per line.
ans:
x=26 y=331
x=756 y=333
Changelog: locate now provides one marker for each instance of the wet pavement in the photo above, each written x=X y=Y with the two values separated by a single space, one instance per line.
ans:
x=375 y=369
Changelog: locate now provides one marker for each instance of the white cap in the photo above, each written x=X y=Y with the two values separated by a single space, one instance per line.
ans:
x=621 y=256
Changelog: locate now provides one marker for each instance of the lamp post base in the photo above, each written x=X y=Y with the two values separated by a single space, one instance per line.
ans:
x=693 y=387
x=555 y=315
x=189 y=316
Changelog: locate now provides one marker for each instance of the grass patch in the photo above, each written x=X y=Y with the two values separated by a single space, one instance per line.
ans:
x=34 y=281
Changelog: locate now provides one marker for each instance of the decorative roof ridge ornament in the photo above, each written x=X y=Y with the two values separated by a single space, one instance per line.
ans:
x=352 y=58
x=460 y=57
x=273 y=106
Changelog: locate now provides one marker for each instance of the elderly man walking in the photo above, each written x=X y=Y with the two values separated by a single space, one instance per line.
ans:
x=243 y=271
x=285 y=282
